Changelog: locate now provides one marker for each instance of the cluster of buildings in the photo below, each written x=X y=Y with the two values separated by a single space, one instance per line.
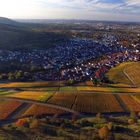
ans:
x=77 y=59
x=96 y=69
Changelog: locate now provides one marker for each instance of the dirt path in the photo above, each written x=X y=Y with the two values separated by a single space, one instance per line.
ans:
x=40 y=103
x=122 y=104
x=19 y=111
x=129 y=78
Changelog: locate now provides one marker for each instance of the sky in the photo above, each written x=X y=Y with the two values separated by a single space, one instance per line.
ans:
x=116 y=10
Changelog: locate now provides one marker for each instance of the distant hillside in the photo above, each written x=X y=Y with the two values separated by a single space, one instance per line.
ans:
x=8 y=21
x=13 y=36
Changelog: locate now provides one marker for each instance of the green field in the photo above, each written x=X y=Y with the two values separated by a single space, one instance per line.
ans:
x=7 y=92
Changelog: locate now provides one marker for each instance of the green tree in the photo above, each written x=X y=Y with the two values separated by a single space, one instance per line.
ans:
x=18 y=74
x=11 y=76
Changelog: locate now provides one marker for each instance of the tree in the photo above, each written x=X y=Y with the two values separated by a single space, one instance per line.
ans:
x=11 y=76
x=1 y=77
x=34 y=123
x=104 y=133
x=23 y=122
x=18 y=74
x=70 y=82
x=131 y=121
x=98 y=115
x=110 y=126
x=133 y=116
x=96 y=81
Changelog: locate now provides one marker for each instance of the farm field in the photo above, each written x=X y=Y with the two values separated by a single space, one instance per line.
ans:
x=7 y=92
x=46 y=96
x=18 y=88
x=97 y=103
x=136 y=97
x=29 y=84
x=39 y=84
x=83 y=103
x=32 y=95
x=38 y=110
x=87 y=83
x=40 y=89
x=68 y=88
x=84 y=98
x=7 y=108
x=38 y=92
x=132 y=104
x=62 y=99
x=88 y=103
x=109 y=89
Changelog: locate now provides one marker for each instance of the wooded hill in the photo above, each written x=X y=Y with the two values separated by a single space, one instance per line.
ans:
x=15 y=35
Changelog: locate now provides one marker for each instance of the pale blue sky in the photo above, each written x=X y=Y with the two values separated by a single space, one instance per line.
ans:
x=128 y=10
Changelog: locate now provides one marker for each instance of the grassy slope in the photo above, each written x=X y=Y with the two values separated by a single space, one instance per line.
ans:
x=116 y=74
x=134 y=73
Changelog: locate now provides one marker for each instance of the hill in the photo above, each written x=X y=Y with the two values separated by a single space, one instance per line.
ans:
x=8 y=21
x=14 y=35
x=125 y=73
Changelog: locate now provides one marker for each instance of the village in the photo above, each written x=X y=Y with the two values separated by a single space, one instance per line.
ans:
x=67 y=61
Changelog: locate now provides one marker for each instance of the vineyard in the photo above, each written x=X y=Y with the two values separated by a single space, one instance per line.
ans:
x=97 y=103
x=84 y=103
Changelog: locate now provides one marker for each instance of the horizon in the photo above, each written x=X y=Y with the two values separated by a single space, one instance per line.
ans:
x=97 y=10
x=59 y=19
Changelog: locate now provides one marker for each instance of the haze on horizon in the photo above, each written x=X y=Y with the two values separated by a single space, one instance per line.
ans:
x=116 y=10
